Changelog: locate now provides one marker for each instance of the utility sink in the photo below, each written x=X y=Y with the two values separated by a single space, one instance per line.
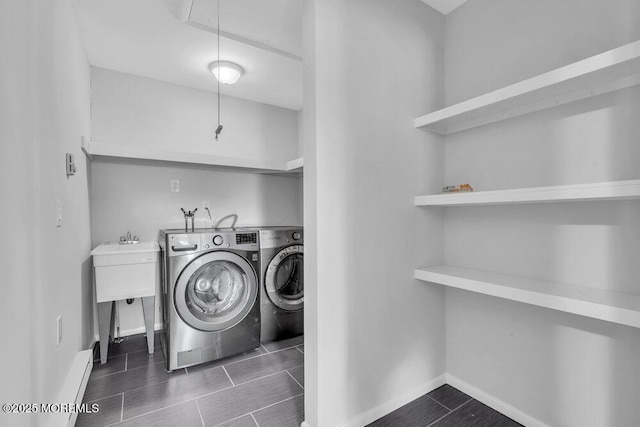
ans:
x=125 y=271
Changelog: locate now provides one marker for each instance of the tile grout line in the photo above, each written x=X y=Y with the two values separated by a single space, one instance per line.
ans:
x=187 y=373
x=122 y=408
x=262 y=355
x=254 y=419
x=150 y=412
x=276 y=403
x=139 y=367
x=144 y=386
x=451 y=411
x=228 y=376
x=445 y=407
x=199 y=397
x=293 y=378
x=160 y=409
x=268 y=375
x=259 y=409
x=199 y=413
x=102 y=398
x=238 y=361
x=299 y=349
x=226 y=388
x=265 y=349
x=232 y=419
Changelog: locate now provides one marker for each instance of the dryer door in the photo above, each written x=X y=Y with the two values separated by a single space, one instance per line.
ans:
x=216 y=291
x=284 y=278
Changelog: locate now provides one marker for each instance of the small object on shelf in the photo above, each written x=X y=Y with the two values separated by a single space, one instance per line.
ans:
x=462 y=188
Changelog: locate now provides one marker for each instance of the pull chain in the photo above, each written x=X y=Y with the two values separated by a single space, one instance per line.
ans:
x=219 y=128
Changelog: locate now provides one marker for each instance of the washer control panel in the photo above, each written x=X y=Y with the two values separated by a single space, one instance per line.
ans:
x=230 y=239
x=185 y=243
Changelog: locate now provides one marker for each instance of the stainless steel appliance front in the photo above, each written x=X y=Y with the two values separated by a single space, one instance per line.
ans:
x=282 y=282
x=210 y=295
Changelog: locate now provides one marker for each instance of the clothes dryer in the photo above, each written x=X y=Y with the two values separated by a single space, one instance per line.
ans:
x=210 y=294
x=282 y=282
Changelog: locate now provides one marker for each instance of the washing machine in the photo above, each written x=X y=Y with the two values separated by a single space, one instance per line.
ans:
x=210 y=292
x=281 y=282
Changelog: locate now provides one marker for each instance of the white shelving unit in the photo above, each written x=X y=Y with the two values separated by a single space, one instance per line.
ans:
x=609 y=71
x=96 y=149
x=610 y=306
x=606 y=72
x=615 y=190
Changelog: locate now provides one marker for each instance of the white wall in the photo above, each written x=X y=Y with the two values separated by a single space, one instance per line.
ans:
x=375 y=336
x=138 y=111
x=136 y=197
x=562 y=369
x=44 y=111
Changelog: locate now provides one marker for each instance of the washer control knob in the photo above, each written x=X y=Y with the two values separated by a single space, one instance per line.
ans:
x=217 y=240
x=296 y=236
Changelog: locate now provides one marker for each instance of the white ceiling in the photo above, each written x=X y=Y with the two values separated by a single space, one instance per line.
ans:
x=444 y=6
x=174 y=41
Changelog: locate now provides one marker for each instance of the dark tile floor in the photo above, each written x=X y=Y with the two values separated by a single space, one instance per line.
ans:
x=264 y=388
x=445 y=407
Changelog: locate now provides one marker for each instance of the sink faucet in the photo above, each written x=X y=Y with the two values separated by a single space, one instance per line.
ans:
x=128 y=240
x=187 y=215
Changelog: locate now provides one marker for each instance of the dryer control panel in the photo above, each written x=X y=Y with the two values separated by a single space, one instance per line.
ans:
x=280 y=237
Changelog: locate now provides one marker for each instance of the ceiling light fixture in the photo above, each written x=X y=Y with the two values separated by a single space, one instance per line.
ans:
x=226 y=72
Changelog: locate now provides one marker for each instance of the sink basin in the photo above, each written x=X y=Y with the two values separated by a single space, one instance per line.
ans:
x=125 y=271
x=116 y=248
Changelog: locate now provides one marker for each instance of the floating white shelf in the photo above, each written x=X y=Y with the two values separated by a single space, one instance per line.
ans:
x=96 y=149
x=615 y=190
x=295 y=165
x=616 y=307
x=606 y=72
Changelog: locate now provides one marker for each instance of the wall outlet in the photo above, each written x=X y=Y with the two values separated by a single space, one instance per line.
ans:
x=70 y=164
x=59 y=330
x=205 y=204
x=175 y=186
x=58 y=213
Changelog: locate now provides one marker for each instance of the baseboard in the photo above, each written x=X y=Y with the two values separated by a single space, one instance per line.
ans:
x=492 y=401
x=73 y=389
x=391 y=405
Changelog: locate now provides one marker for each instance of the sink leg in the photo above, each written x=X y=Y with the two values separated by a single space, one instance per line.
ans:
x=104 y=326
x=148 y=310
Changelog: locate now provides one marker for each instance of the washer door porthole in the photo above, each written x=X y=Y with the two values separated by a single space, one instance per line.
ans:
x=284 y=278
x=215 y=291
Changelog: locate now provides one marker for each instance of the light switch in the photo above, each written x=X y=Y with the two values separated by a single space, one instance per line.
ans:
x=58 y=213
x=175 y=186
